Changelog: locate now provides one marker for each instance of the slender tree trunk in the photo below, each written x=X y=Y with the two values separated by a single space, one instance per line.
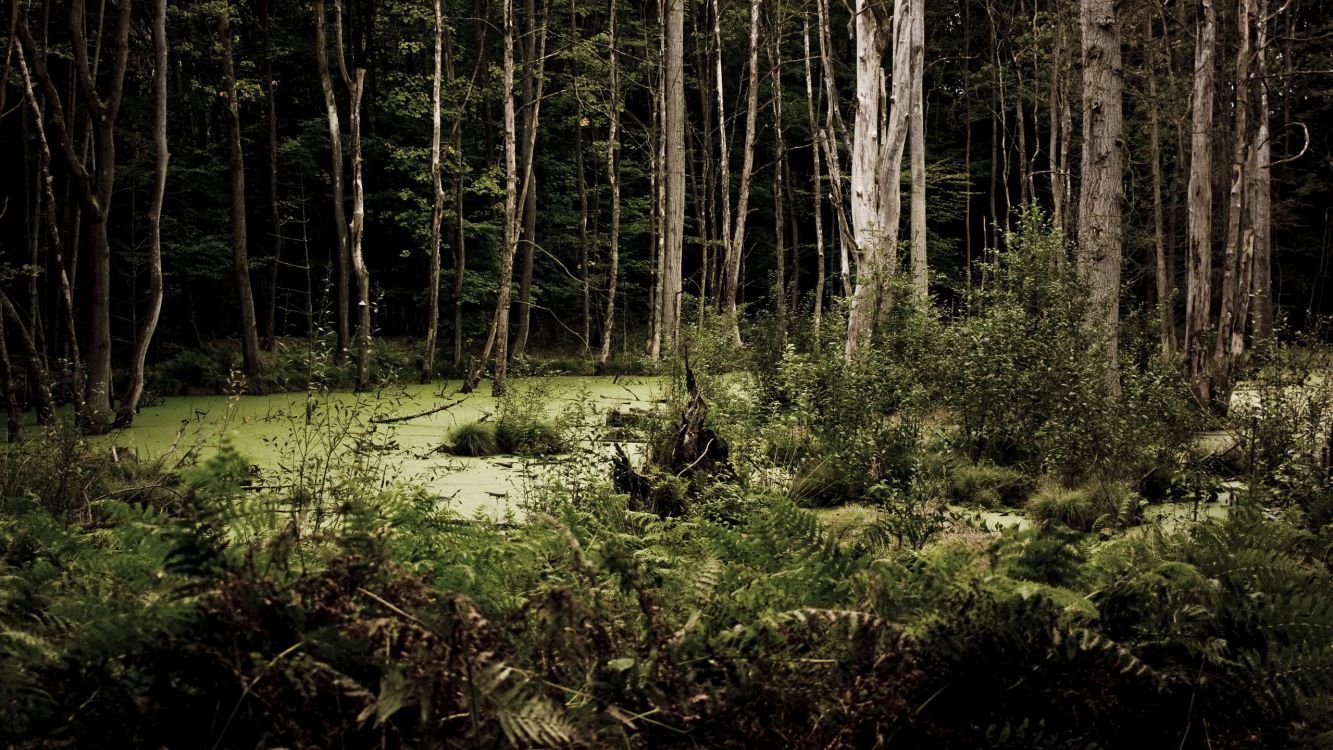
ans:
x=1163 y=290
x=336 y=173
x=673 y=173
x=818 y=178
x=581 y=182
x=774 y=52
x=532 y=70
x=1199 y=281
x=358 y=232
x=920 y=273
x=834 y=132
x=39 y=380
x=1238 y=251
x=736 y=248
x=240 y=261
x=274 y=213
x=1261 y=200
x=129 y=402
x=724 y=161
x=613 y=181
x=1102 y=190
x=437 y=214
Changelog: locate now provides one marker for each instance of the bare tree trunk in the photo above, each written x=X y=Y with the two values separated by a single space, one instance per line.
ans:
x=532 y=70
x=736 y=248
x=920 y=272
x=1261 y=199
x=818 y=177
x=336 y=173
x=774 y=52
x=724 y=161
x=833 y=132
x=1199 y=275
x=38 y=377
x=581 y=182
x=1102 y=190
x=437 y=214
x=613 y=180
x=274 y=213
x=1238 y=257
x=358 y=231
x=129 y=402
x=673 y=172
x=1163 y=290
x=877 y=155
x=240 y=261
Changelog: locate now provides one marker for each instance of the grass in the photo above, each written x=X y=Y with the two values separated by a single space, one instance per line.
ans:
x=474 y=439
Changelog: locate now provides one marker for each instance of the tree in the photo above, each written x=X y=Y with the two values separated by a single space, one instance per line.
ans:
x=1102 y=189
x=920 y=271
x=336 y=173
x=239 y=239
x=129 y=402
x=877 y=154
x=437 y=208
x=613 y=180
x=736 y=247
x=1199 y=274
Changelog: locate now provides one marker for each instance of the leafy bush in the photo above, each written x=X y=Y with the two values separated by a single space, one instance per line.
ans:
x=1029 y=377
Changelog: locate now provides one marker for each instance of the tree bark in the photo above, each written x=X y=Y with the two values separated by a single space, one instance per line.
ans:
x=818 y=178
x=673 y=168
x=274 y=213
x=336 y=176
x=1261 y=197
x=877 y=155
x=240 y=260
x=532 y=70
x=613 y=181
x=437 y=213
x=1199 y=273
x=1102 y=190
x=920 y=272
x=129 y=402
x=736 y=248
x=1163 y=284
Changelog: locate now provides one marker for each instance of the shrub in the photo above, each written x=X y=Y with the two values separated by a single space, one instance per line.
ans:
x=473 y=439
x=1081 y=508
x=527 y=437
x=987 y=485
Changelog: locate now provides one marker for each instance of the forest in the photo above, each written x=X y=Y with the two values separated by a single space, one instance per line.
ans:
x=481 y=373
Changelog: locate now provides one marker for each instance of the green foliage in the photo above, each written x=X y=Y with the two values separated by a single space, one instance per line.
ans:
x=986 y=485
x=473 y=439
x=1028 y=374
x=1052 y=503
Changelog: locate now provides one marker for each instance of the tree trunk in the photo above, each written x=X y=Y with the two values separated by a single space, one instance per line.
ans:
x=129 y=403
x=1261 y=198
x=818 y=177
x=1163 y=285
x=673 y=171
x=1238 y=252
x=437 y=213
x=336 y=174
x=774 y=52
x=581 y=182
x=877 y=155
x=532 y=70
x=736 y=247
x=1102 y=190
x=920 y=273
x=358 y=232
x=274 y=213
x=1199 y=273
x=240 y=261
x=724 y=161
x=613 y=181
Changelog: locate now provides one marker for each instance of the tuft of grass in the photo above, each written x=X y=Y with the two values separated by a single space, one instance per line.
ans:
x=1075 y=508
x=528 y=437
x=473 y=439
x=987 y=485
x=818 y=484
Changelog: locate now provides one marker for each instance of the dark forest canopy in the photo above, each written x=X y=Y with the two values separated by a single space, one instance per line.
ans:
x=739 y=161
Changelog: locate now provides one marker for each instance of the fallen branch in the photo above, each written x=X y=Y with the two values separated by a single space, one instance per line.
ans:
x=426 y=413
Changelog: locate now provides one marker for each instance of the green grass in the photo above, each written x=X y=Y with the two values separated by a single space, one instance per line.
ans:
x=474 y=439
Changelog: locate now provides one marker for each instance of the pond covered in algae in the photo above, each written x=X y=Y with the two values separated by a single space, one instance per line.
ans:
x=272 y=430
